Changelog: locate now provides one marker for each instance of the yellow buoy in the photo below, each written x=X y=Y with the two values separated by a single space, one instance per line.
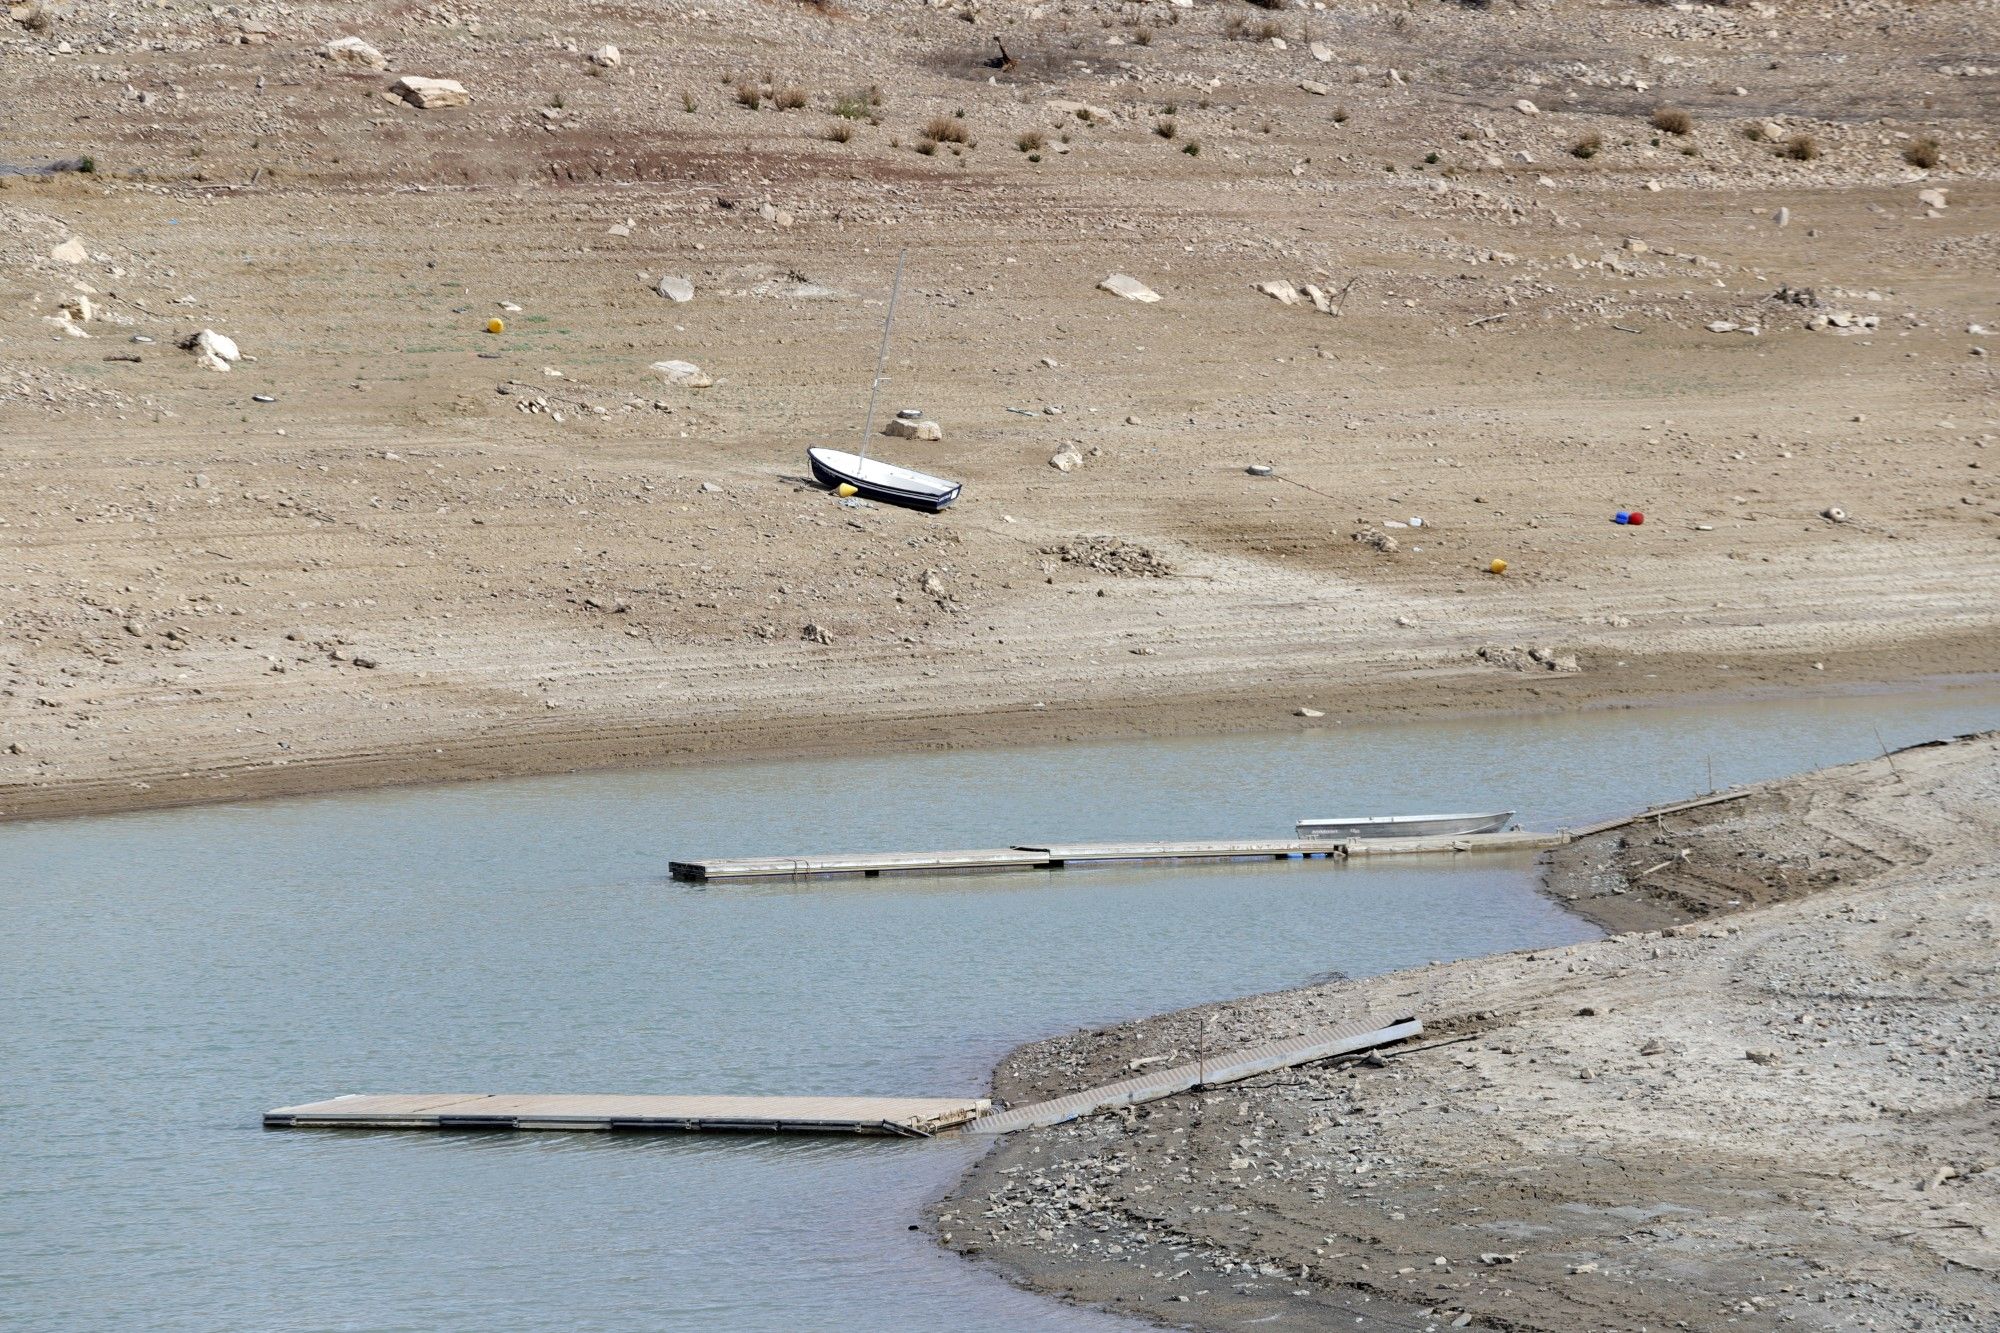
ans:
x=1497 y=567
x=496 y=326
x=845 y=490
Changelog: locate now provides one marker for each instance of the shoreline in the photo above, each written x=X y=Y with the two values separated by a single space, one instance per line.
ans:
x=1148 y=1213
x=1661 y=681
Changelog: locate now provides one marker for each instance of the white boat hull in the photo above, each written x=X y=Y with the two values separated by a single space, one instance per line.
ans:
x=1404 y=826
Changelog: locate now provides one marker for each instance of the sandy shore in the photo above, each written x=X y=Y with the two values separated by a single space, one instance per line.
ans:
x=391 y=546
x=1769 y=1107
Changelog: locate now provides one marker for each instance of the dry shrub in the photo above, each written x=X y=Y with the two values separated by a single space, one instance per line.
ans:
x=1166 y=129
x=1673 y=120
x=1142 y=36
x=946 y=129
x=1032 y=142
x=749 y=96
x=789 y=99
x=1925 y=152
x=1801 y=148
x=1589 y=146
x=1340 y=115
x=1754 y=132
x=840 y=131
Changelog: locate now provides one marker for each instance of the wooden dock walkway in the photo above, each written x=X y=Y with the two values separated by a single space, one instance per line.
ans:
x=1057 y=856
x=906 y=1117
x=1361 y=1034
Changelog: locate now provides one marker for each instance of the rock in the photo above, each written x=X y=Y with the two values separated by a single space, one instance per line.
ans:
x=606 y=57
x=1527 y=108
x=683 y=374
x=1783 y=217
x=1307 y=712
x=430 y=94
x=78 y=308
x=816 y=634
x=213 y=351
x=365 y=663
x=1129 y=287
x=1281 y=291
x=913 y=430
x=1315 y=87
x=933 y=584
x=1766 y=1058
x=1931 y=198
x=1321 y=52
x=1066 y=459
x=678 y=290
x=1081 y=110
x=354 y=51
x=1721 y=326
x=70 y=251
x=771 y=213
x=1321 y=301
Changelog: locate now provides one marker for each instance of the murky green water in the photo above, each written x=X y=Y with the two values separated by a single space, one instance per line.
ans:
x=166 y=977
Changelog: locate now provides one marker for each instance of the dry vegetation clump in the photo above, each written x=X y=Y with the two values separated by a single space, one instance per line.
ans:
x=840 y=131
x=749 y=96
x=1801 y=148
x=947 y=129
x=1589 y=146
x=1032 y=142
x=789 y=99
x=1673 y=120
x=1925 y=152
x=1166 y=128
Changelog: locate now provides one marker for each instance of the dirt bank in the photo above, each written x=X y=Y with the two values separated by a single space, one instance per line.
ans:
x=1777 y=1115
x=388 y=545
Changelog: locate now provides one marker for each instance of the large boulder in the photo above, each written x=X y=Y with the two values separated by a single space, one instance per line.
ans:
x=214 y=351
x=430 y=94
x=913 y=430
x=678 y=290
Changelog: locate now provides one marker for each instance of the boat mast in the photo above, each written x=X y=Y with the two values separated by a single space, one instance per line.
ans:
x=882 y=357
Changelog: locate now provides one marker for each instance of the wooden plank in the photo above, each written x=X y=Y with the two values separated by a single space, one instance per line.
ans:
x=1464 y=842
x=1361 y=1034
x=858 y=863
x=1697 y=803
x=611 y=1112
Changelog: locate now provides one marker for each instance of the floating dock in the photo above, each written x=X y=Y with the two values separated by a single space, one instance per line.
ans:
x=904 y=1117
x=1231 y=1066
x=1057 y=856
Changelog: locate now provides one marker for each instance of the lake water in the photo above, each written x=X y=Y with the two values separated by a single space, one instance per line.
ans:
x=165 y=977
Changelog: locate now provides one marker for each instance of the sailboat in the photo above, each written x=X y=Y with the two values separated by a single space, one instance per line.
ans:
x=872 y=477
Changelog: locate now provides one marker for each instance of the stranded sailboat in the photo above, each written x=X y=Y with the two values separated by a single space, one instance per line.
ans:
x=871 y=476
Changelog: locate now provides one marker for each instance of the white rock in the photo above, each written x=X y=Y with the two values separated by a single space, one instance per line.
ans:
x=79 y=308
x=678 y=290
x=1721 y=326
x=1931 y=198
x=210 y=344
x=1066 y=459
x=354 y=51
x=1315 y=87
x=1281 y=291
x=430 y=94
x=770 y=212
x=1321 y=301
x=1322 y=52
x=1307 y=712
x=70 y=251
x=1783 y=217
x=606 y=57
x=1129 y=287
x=683 y=374
x=1081 y=110
x=913 y=430
x=1527 y=108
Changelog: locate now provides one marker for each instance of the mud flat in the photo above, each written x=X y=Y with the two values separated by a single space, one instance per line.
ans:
x=1769 y=1106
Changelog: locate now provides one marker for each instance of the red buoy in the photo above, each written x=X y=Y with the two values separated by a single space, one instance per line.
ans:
x=1636 y=518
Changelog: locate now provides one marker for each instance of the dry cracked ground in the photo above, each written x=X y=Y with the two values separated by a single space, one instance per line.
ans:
x=1731 y=267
